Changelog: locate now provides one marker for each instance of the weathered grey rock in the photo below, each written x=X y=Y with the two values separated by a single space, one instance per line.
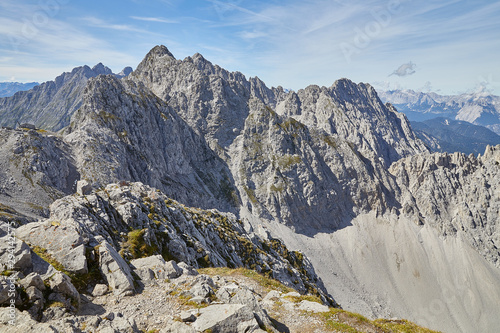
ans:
x=22 y=322
x=455 y=193
x=37 y=169
x=312 y=307
x=226 y=292
x=34 y=293
x=155 y=267
x=83 y=187
x=226 y=318
x=41 y=267
x=177 y=327
x=116 y=323
x=116 y=270
x=54 y=313
x=99 y=290
x=6 y=286
x=61 y=283
x=149 y=143
x=14 y=252
x=187 y=316
x=62 y=240
x=50 y=104
x=187 y=269
x=173 y=270
x=33 y=279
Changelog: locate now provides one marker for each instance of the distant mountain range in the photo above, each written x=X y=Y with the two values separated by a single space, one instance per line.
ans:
x=8 y=89
x=446 y=135
x=479 y=108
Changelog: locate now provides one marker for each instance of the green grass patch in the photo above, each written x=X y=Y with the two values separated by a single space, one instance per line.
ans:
x=298 y=299
x=401 y=326
x=263 y=281
x=340 y=327
x=136 y=247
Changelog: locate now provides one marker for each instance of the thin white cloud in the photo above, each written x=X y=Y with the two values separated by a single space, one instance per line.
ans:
x=99 y=23
x=154 y=19
x=253 y=34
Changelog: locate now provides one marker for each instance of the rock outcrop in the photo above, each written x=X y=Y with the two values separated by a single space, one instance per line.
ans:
x=455 y=192
x=36 y=168
x=124 y=132
x=136 y=220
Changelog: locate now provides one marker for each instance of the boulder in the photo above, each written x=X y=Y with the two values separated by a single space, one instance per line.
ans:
x=60 y=283
x=116 y=323
x=226 y=318
x=14 y=253
x=83 y=187
x=5 y=285
x=116 y=270
x=155 y=267
x=62 y=241
x=312 y=306
x=187 y=269
x=99 y=290
x=33 y=280
x=187 y=316
x=34 y=293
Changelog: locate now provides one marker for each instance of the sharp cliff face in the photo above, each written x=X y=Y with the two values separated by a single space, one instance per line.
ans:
x=289 y=153
x=456 y=193
x=50 y=104
x=124 y=132
x=303 y=177
x=36 y=168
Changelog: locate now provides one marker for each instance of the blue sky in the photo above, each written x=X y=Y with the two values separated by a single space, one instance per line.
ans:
x=444 y=46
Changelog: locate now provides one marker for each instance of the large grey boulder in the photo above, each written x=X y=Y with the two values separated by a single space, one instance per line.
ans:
x=61 y=239
x=61 y=284
x=227 y=318
x=117 y=323
x=155 y=267
x=14 y=252
x=116 y=270
x=177 y=327
x=32 y=280
x=83 y=187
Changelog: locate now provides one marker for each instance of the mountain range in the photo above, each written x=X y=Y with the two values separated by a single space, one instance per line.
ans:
x=10 y=88
x=479 y=108
x=337 y=177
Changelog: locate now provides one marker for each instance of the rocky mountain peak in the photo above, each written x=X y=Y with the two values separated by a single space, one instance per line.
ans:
x=125 y=72
x=101 y=69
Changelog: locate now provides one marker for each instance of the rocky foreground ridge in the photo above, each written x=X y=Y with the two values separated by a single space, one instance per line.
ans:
x=97 y=265
x=330 y=171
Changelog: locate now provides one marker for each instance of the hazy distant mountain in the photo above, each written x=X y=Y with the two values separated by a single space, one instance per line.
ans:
x=10 y=88
x=446 y=135
x=479 y=108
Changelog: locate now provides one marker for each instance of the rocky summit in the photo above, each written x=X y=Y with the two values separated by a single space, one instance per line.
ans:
x=181 y=197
